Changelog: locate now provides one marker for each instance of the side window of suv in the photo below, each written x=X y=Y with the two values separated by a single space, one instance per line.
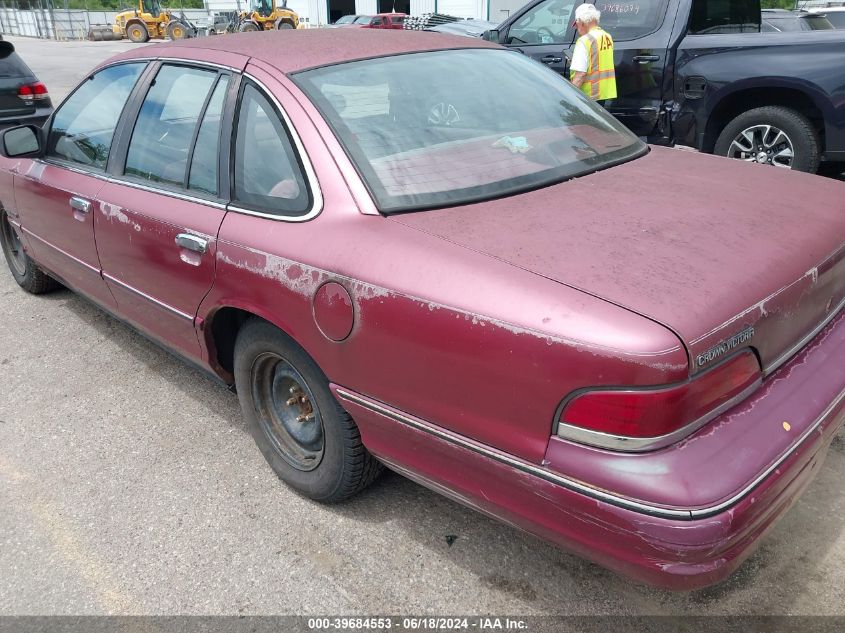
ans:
x=268 y=176
x=545 y=23
x=169 y=117
x=708 y=17
x=83 y=127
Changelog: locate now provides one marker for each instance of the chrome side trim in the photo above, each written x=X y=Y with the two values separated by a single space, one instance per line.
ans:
x=310 y=174
x=85 y=264
x=161 y=304
x=780 y=360
x=706 y=512
x=515 y=462
x=581 y=487
x=623 y=443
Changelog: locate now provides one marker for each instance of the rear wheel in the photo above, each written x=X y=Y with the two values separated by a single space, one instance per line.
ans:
x=283 y=25
x=773 y=135
x=311 y=443
x=25 y=271
x=137 y=33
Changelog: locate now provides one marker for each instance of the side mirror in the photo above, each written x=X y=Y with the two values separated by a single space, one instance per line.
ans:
x=491 y=36
x=23 y=141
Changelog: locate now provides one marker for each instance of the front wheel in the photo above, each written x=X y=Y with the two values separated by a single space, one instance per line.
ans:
x=26 y=272
x=177 y=31
x=248 y=27
x=137 y=33
x=772 y=135
x=311 y=443
x=283 y=26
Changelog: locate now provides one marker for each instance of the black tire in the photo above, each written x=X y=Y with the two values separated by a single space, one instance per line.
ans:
x=137 y=33
x=248 y=27
x=25 y=271
x=176 y=30
x=345 y=467
x=797 y=128
x=282 y=26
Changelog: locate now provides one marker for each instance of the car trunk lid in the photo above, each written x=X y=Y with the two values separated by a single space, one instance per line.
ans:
x=725 y=254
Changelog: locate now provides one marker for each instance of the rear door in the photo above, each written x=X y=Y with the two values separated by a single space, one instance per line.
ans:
x=55 y=196
x=158 y=220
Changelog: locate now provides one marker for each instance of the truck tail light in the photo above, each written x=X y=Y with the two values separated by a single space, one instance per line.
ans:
x=612 y=418
x=33 y=92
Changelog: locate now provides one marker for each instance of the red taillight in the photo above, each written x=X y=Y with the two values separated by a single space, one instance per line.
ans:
x=36 y=91
x=660 y=411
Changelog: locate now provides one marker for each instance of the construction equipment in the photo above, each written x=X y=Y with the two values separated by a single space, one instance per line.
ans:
x=150 y=21
x=267 y=15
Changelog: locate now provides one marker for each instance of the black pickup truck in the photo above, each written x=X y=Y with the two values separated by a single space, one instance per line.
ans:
x=701 y=73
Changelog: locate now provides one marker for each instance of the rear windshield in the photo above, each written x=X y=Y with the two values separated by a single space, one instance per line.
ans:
x=11 y=65
x=451 y=127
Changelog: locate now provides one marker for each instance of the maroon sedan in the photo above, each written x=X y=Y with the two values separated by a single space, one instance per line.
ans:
x=432 y=253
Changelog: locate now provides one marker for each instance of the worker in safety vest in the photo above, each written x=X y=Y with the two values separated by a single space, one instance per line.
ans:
x=592 y=67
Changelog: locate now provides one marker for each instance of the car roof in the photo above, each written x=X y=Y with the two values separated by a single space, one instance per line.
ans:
x=298 y=49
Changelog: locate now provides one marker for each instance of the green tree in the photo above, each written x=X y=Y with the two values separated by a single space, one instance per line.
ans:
x=777 y=4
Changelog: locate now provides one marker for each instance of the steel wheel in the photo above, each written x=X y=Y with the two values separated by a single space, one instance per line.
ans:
x=287 y=415
x=764 y=144
x=13 y=247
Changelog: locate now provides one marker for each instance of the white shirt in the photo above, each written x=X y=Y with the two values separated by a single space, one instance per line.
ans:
x=580 y=62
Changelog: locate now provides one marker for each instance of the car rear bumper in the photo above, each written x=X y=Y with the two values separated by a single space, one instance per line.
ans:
x=36 y=118
x=680 y=546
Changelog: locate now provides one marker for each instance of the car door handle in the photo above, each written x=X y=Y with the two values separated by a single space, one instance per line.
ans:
x=80 y=204
x=642 y=59
x=192 y=242
x=551 y=59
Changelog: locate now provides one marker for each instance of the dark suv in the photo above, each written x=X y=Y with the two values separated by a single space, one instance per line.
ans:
x=23 y=99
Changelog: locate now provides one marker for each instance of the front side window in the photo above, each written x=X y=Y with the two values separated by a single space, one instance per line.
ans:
x=718 y=17
x=546 y=23
x=267 y=172
x=164 y=131
x=451 y=127
x=83 y=127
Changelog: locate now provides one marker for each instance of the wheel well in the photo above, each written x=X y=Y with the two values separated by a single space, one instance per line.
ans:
x=137 y=21
x=225 y=325
x=742 y=101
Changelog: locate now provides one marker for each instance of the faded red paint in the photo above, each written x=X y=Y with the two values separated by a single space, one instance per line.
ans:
x=477 y=321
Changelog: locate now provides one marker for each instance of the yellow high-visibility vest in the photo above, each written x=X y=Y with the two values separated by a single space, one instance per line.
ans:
x=600 y=82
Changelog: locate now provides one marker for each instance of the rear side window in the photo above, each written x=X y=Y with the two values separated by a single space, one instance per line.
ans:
x=204 y=163
x=169 y=116
x=709 y=17
x=267 y=171
x=11 y=65
x=83 y=127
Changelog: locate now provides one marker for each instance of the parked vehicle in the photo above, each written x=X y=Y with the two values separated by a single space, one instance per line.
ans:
x=150 y=21
x=834 y=15
x=447 y=260
x=346 y=19
x=700 y=73
x=385 y=21
x=267 y=15
x=23 y=99
x=783 y=21
x=467 y=28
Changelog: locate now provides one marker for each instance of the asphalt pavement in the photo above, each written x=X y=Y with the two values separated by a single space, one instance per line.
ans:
x=130 y=485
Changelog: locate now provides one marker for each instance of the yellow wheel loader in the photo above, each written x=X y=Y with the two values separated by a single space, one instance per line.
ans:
x=267 y=15
x=150 y=21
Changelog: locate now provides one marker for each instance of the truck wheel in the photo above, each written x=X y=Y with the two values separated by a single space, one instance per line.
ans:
x=246 y=27
x=177 y=31
x=772 y=135
x=137 y=33
x=311 y=443
x=283 y=25
x=25 y=271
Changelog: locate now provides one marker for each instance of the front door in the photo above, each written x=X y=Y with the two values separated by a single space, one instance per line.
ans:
x=640 y=32
x=157 y=223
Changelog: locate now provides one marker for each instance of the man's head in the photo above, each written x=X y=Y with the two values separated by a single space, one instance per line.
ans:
x=586 y=17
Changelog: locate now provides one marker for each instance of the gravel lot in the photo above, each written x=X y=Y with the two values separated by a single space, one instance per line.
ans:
x=130 y=485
